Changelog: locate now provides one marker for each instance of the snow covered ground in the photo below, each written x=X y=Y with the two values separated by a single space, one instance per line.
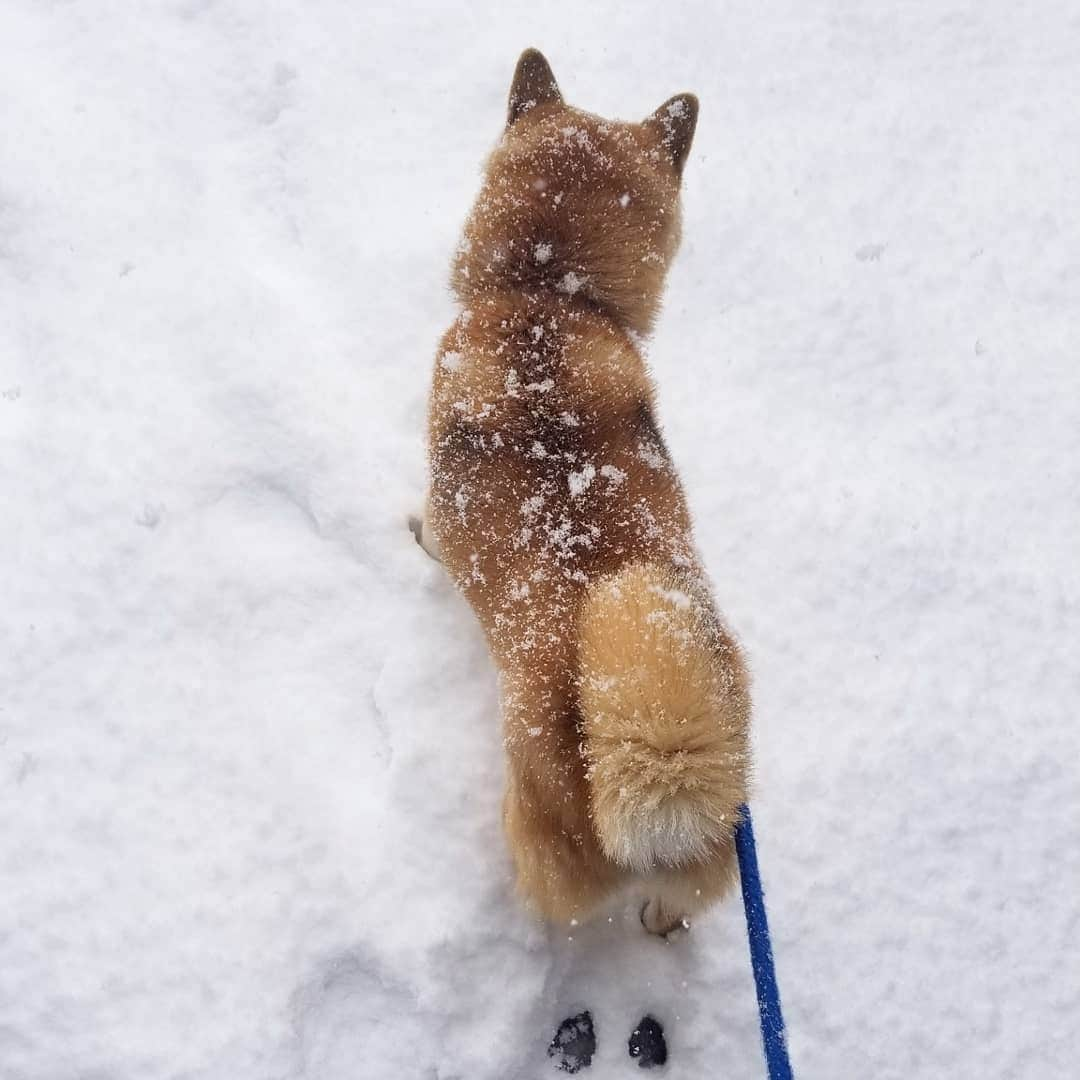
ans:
x=249 y=756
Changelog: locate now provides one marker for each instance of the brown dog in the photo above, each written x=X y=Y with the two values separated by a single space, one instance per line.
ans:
x=555 y=508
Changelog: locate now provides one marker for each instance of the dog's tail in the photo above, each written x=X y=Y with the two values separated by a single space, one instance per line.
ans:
x=665 y=705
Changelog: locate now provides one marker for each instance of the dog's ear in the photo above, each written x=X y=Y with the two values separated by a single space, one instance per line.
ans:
x=675 y=122
x=533 y=84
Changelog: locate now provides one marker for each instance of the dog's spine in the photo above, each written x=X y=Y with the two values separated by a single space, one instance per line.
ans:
x=664 y=703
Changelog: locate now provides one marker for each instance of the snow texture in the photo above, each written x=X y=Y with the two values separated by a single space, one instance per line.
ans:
x=250 y=762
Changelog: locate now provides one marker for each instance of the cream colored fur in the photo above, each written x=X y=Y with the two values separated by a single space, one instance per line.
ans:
x=665 y=712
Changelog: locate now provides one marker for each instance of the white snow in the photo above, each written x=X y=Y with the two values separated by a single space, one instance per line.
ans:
x=532 y=506
x=580 y=480
x=570 y=283
x=250 y=762
x=613 y=474
x=675 y=597
x=651 y=455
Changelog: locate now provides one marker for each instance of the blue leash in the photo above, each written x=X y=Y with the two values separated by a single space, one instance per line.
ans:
x=757 y=930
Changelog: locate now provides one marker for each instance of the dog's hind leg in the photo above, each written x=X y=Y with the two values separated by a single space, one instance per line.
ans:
x=674 y=896
x=560 y=871
x=420 y=527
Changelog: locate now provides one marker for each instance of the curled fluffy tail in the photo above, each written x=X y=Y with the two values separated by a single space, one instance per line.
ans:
x=665 y=707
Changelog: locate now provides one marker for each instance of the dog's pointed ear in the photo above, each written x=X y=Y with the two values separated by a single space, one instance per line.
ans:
x=533 y=84
x=675 y=122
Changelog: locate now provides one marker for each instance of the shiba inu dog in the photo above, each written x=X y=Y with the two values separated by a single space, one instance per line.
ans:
x=555 y=507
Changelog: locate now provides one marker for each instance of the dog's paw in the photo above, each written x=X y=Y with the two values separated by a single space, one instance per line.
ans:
x=659 y=921
x=423 y=535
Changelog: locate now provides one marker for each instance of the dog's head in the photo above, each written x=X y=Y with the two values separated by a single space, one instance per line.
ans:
x=572 y=202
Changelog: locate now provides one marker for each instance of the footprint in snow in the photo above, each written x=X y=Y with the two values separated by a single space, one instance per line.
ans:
x=278 y=96
x=870 y=252
x=574 y=1044
x=647 y=1043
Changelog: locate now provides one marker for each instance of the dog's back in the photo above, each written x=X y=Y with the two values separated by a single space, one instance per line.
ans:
x=559 y=515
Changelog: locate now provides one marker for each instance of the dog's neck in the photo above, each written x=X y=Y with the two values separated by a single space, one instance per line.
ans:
x=521 y=244
x=558 y=277
x=550 y=298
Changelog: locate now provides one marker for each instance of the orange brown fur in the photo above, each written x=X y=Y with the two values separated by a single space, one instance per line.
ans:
x=557 y=512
